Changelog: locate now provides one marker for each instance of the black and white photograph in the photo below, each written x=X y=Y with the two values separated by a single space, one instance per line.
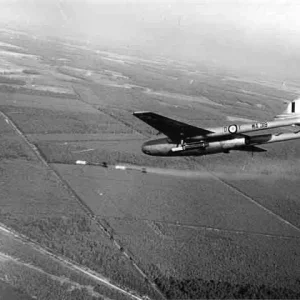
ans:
x=149 y=149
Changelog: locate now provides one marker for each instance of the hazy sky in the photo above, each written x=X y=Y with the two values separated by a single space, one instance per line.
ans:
x=259 y=35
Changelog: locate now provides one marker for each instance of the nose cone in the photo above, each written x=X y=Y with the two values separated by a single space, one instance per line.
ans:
x=159 y=147
x=147 y=147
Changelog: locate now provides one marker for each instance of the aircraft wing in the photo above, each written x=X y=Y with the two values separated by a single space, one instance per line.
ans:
x=173 y=129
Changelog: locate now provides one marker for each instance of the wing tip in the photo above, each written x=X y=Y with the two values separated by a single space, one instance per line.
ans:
x=142 y=112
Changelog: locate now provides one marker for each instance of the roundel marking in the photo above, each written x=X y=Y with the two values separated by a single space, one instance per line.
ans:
x=232 y=128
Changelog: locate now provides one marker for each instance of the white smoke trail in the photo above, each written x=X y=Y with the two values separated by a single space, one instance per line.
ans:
x=195 y=174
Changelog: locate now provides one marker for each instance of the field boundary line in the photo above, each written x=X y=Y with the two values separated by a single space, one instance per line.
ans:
x=68 y=262
x=252 y=200
x=111 y=115
x=39 y=269
x=281 y=219
x=83 y=205
x=131 y=258
x=207 y=228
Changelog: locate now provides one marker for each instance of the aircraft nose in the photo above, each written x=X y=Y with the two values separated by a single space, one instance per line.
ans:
x=146 y=148
x=156 y=147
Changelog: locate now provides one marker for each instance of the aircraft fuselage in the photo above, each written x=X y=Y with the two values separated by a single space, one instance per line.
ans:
x=186 y=139
x=198 y=147
x=244 y=128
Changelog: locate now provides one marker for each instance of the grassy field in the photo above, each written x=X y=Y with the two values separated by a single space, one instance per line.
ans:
x=39 y=208
x=54 y=277
x=171 y=232
x=193 y=264
x=111 y=152
x=11 y=145
x=9 y=292
x=5 y=88
x=38 y=120
x=203 y=236
x=35 y=204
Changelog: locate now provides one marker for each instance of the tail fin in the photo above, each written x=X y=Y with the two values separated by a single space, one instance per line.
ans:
x=292 y=110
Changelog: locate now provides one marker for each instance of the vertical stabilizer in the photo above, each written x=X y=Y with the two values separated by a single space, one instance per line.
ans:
x=292 y=110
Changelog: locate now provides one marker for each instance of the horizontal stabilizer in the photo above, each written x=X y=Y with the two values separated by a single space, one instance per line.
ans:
x=175 y=130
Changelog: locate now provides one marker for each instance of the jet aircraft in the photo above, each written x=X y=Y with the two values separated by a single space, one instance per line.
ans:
x=187 y=140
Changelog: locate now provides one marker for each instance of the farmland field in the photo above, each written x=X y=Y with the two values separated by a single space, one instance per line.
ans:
x=220 y=226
